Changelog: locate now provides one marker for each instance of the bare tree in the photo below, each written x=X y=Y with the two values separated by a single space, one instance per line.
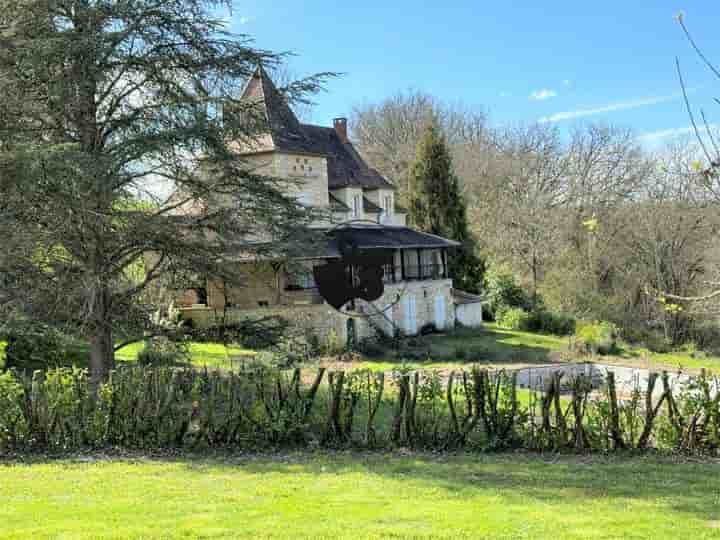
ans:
x=388 y=133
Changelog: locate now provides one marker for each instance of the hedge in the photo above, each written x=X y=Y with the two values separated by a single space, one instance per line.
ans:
x=477 y=409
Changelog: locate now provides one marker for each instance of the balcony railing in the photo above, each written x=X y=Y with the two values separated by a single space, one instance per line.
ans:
x=413 y=272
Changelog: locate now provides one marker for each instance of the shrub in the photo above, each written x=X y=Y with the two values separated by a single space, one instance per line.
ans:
x=13 y=424
x=428 y=328
x=461 y=353
x=332 y=345
x=38 y=348
x=543 y=320
x=598 y=337
x=512 y=318
x=706 y=336
x=501 y=291
x=370 y=347
x=256 y=334
x=478 y=354
x=163 y=352
x=264 y=407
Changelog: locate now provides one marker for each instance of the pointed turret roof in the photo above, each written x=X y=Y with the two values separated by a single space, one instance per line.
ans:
x=286 y=134
x=285 y=130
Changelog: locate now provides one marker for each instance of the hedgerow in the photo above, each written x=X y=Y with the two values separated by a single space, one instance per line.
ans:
x=167 y=408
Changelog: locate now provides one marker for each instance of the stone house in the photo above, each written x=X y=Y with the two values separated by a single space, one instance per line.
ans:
x=331 y=175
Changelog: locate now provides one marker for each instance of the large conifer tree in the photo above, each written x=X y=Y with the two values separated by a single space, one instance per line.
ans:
x=437 y=206
x=101 y=100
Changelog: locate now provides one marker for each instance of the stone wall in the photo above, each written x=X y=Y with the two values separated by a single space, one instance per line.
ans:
x=260 y=284
x=469 y=315
x=311 y=174
x=385 y=314
x=319 y=320
x=389 y=312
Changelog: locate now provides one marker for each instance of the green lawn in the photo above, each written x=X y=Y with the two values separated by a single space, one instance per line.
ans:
x=491 y=346
x=211 y=355
x=495 y=347
x=361 y=496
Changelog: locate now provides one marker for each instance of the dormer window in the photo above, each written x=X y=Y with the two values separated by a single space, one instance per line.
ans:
x=388 y=205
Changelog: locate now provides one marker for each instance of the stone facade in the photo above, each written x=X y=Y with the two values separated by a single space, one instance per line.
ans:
x=319 y=162
x=319 y=320
x=407 y=306
x=410 y=306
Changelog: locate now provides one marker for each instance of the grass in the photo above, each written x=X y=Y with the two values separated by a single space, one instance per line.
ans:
x=361 y=496
x=495 y=346
x=492 y=346
x=211 y=355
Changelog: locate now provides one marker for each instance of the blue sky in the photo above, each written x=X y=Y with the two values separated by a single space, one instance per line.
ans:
x=522 y=61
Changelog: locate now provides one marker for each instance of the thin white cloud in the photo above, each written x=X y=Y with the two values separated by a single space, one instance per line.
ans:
x=566 y=82
x=545 y=93
x=612 y=107
x=246 y=20
x=657 y=136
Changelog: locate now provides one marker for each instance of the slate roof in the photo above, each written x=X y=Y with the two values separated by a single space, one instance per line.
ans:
x=337 y=204
x=370 y=206
x=346 y=167
x=364 y=237
x=462 y=297
x=384 y=236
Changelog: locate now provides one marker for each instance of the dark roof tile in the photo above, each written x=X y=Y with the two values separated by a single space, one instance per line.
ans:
x=346 y=168
x=370 y=206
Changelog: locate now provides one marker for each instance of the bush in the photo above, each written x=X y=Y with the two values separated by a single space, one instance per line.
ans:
x=501 y=291
x=256 y=334
x=262 y=407
x=706 y=336
x=37 y=349
x=428 y=328
x=599 y=337
x=512 y=318
x=543 y=320
x=332 y=345
x=13 y=424
x=461 y=353
x=370 y=347
x=163 y=352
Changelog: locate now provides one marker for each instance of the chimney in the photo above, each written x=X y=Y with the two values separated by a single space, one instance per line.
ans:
x=340 y=125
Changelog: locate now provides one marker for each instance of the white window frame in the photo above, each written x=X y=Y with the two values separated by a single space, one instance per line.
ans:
x=356 y=205
x=388 y=205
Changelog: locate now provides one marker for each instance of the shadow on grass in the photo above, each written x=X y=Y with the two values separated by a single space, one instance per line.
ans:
x=692 y=486
x=482 y=346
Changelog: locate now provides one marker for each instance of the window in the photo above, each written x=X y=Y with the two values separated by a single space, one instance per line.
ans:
x=356 y=206
x=300 y=277
x=388 y=205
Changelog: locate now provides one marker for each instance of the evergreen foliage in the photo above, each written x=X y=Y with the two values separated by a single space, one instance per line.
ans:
x=102 y=102
x=436 y=205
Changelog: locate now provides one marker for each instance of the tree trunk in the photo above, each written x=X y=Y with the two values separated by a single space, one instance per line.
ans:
x=615 y=432
x=102 y=353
